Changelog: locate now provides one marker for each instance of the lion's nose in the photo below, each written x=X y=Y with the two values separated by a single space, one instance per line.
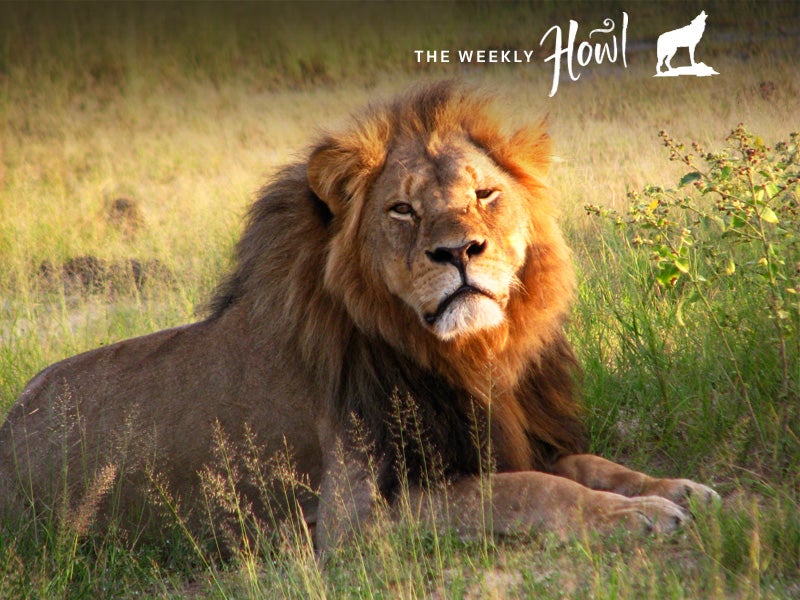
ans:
x=459 y=256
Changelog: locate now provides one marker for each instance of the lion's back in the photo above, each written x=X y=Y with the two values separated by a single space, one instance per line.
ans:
x=141 y=407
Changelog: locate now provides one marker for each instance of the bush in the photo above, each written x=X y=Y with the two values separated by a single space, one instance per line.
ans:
x=723 y=249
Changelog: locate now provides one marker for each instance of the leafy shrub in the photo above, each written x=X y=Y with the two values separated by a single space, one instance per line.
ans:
x=724 y=249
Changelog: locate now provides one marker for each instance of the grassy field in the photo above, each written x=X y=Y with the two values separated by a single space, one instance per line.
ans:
x=183 y=112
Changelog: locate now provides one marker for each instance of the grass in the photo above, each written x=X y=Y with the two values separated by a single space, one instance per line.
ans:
x=186 y=113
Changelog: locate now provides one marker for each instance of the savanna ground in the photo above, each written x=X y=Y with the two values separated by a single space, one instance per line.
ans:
x=133 y=137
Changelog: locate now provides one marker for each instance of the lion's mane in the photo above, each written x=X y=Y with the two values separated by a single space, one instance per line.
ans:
x=301 y=263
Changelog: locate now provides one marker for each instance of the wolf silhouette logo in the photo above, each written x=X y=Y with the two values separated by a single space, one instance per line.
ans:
x=685 y=37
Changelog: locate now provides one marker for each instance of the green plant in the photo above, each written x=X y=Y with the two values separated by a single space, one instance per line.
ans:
x=134 y=101
x=731 y=224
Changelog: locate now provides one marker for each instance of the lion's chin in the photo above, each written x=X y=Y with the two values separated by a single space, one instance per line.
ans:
x=467 y=314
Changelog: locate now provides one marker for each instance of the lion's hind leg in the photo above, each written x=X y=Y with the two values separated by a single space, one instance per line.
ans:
x=600 y=474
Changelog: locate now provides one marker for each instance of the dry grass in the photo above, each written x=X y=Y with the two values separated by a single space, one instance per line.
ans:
x=189 y=143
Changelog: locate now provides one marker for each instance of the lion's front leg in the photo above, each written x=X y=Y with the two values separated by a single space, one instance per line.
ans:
x=600 y=474
x=528 y=501
x=348 y=498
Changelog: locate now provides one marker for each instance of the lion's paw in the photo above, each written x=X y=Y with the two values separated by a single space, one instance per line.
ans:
x=684 y=492
x=650 y=515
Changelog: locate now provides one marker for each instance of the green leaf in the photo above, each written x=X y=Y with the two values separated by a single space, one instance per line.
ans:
x=768 y=215
x=668 y=274
x=737 y=221
x=724 y=173
x=682 y=264
x=772 y=190
x=689 y=178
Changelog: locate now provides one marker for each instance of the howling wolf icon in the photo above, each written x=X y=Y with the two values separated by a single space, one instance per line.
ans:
x=685 y=37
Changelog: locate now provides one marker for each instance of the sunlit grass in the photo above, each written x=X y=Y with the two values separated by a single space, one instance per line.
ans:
x=190 y=130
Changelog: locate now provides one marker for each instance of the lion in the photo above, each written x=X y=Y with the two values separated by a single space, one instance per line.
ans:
x=411 y=262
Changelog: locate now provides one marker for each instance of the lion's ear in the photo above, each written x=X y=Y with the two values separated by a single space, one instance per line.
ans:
x=532 y=148
x=526 y=153
x=329 y=167
x=337 y=173
x=343 y=166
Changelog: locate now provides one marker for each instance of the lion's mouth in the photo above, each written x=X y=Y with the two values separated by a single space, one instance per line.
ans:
x=463 y=291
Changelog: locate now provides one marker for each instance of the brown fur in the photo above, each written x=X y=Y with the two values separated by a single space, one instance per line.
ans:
x=532 y=365
x=305 y=339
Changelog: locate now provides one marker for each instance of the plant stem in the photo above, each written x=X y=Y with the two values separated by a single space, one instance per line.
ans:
x=775 y=296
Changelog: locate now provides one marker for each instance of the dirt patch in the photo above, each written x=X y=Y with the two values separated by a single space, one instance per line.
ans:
x=91 y=274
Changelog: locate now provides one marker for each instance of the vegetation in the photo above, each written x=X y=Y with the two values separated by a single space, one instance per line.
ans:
x=132 y=139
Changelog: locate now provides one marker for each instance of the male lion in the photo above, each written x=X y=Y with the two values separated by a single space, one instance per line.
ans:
x=410 y=264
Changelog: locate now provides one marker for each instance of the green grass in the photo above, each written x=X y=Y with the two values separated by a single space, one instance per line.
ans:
x=186 y=112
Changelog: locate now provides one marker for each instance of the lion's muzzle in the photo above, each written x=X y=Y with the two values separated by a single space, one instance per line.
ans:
x=458 y=257
x=469 y=306
x=459 y=294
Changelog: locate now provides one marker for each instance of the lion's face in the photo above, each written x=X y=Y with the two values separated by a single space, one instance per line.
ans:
x=440 y=229
x=445 y=232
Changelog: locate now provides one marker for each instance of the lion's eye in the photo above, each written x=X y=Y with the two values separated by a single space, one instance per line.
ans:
x=402 y=210
x=486 y=195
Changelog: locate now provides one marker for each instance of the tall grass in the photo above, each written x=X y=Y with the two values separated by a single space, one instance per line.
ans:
x=186 y=109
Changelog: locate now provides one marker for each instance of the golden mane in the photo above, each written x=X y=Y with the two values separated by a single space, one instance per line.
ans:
x=300 y=262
